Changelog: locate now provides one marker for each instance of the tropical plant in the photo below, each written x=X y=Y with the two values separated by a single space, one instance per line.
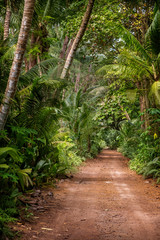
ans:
x=152 y=169
x=17 y=62
x=77 y=39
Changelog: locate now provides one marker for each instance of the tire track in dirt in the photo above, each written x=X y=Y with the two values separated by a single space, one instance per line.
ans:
x=103 y=201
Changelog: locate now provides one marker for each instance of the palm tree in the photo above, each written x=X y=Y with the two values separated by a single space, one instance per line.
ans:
x=7 y=20
x=11 y=7
x=77 y=38
x=17 y=62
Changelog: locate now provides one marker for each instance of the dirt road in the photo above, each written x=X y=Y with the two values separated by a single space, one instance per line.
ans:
x=103 y=201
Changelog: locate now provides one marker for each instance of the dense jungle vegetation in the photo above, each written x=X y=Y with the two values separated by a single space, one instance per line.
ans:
x=64 y=98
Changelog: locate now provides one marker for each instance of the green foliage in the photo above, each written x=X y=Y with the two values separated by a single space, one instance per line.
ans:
x=133 y=44
x=129 y=137
x=152 y=35
x=68 y=157
x=111 y=138
x=82 y=124
x=152 y=169
x=10 y=171
x=141 y=148
x=4 y=219
x=12 y=177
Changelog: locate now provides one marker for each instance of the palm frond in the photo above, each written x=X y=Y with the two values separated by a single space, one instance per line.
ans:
x=47 y=8
x=9 y=54
x=129 y=66
x=133 y=44
x=138 y=65
x=153 y=35
x=115 y=69
x=45 y=66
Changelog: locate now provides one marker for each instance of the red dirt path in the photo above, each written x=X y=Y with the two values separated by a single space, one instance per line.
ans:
x=103 y=201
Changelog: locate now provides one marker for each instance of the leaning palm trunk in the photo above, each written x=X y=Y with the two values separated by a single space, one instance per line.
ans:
x=69 y=48
x=141 y=100
x=78 y=38
x=64 y=48
x=17 y=61
x=62 y=55
x=7 y=22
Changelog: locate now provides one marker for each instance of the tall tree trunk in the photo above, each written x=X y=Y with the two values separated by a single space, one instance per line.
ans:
x=17 y=61
x=64 y=48
x=26 y=62
x=144 y=104
x=78 y=38
x=77 y=79
x=146 y=115
x=32 y=58
x=39 y=66
x=69 y=47
x=141 y=100
x=62 y=55
x=87 y=83
x=7 y=21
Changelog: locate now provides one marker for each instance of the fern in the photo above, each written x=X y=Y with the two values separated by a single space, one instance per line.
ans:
x=128 y=66
x=133 y=44
x=24 y=178
x=12 y=152
x=45 y=65
x=152 y=168
x=9 y=54
x=153 y=35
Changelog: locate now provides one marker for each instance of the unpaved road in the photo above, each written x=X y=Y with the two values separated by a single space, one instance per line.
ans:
x=103 y=201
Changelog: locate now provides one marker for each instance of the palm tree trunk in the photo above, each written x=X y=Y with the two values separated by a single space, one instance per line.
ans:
x=141 y=100
x=146 y=115
x=39 y=66
x=7 y=21
x=69 y=48
x=26 y=64
x=144 y=106
x=32 y=58
x=62 y=55
x=64 y=48
x=17 y=61
x=78 y=38
x=140 y=87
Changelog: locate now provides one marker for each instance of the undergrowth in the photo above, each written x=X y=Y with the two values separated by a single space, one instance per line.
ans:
x=138 y=145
